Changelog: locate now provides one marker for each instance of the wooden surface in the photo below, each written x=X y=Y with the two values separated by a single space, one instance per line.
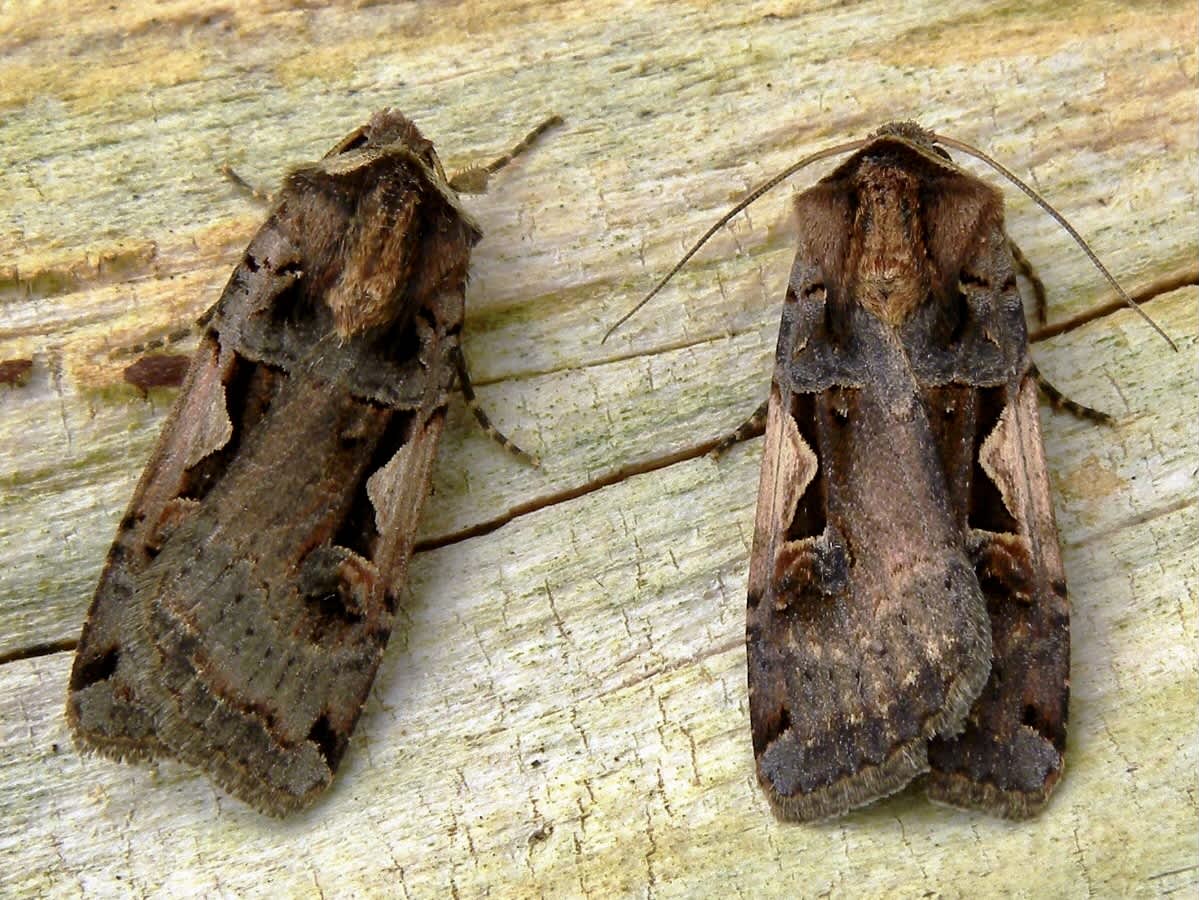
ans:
x=563 y=712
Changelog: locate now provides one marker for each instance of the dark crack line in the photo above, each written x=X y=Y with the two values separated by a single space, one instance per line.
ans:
x=1179 y=278
x=1172 y=872
x=620 y=474
x=1150 y=514
x=36 y=650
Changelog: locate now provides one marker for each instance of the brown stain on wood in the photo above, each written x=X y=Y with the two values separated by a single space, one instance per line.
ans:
x=15 y=372
x=1090 y=479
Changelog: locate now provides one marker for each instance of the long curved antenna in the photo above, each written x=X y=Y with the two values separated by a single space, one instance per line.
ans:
x=724 y=220
x=1061 y=220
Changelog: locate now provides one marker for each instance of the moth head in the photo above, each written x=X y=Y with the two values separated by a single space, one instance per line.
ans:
x=389 y=128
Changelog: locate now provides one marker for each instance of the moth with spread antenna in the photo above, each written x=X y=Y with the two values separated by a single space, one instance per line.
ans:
x=907 y=608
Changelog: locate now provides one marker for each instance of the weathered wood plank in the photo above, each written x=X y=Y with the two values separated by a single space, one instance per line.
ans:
x=564 y=711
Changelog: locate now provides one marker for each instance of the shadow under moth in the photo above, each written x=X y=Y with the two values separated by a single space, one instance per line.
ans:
x=907 y=608
x=253 y=582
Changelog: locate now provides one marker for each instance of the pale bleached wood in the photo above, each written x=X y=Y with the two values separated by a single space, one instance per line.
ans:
x=564 y=712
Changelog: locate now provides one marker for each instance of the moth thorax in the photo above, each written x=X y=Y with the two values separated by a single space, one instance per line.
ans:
x=362 y=307
x=889 y=260
x=369 y=290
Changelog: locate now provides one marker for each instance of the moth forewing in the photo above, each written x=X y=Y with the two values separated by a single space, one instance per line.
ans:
x=1011 y=755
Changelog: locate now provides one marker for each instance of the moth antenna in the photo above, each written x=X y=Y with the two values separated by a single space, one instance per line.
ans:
x=474 y=180
x=1061 y=220
x=753 y=195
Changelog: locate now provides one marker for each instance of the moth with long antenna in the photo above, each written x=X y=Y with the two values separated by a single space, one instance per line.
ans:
x=907 y=609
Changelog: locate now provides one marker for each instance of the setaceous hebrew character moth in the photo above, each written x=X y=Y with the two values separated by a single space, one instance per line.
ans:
x=252 y=585
x=907 y=608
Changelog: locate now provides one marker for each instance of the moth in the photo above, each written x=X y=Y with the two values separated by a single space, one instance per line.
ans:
x=907 y=608
x=253 y=582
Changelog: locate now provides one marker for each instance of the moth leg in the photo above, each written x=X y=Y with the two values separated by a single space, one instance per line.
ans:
x=257 y=193
x=1058 y=400
x=1040 y=305
x=472 y=403
x=474 y=180
x=160 y=342
x=752 y=427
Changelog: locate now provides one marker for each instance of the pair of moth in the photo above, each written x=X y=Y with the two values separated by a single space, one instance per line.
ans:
x=907 y=606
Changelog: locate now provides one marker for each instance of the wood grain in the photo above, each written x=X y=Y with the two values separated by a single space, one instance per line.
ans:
x=564 y=712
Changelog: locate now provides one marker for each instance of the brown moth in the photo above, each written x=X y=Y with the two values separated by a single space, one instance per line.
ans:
x=907 y=607
x=253 y=582
x=905 y=581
